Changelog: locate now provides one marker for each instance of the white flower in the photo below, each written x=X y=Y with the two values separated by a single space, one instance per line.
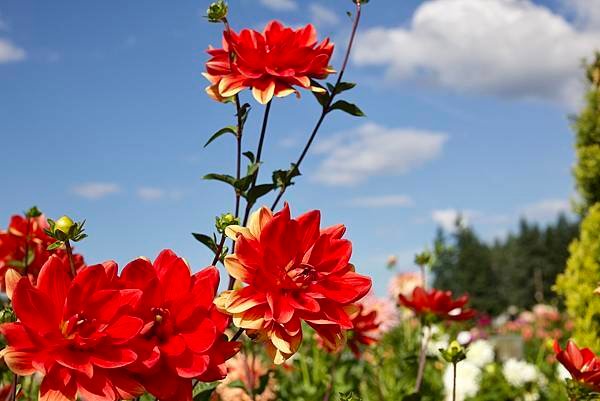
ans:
x=480 y=353
x=562 y=373
x=464 y=337
x=518 y=373
x=468 y=376
x=438 y=341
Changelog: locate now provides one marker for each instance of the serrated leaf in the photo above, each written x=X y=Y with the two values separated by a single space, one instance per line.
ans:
x=347 y=107
x=206 y=240
x=227 y=130
x=283 y=178
x=244 y=110
x=221 y=177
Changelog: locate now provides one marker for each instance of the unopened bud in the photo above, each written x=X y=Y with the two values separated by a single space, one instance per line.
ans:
x=423 y=259
x=454 y=353
x=217 y=11
x=63 y=224
x=226 y=220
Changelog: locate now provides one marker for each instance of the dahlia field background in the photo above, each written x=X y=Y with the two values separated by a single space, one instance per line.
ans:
x=285 y=301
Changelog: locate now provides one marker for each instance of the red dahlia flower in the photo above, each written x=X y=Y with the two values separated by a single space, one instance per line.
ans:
x=75 y=332
x=582 y=364
x=272 y=63
x=293 y=272
x=183 y=331
x=438 y=304
x=22 y=234
x=365 y=331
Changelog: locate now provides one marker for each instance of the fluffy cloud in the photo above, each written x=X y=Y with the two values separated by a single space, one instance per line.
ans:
x=322 y=15
x=507 y=48
x=9 y=52
x=280 y=5
x=96 y=190
x=382 y=201
x=372 y=150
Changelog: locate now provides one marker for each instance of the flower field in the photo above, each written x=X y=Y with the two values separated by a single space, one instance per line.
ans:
x=281 y=311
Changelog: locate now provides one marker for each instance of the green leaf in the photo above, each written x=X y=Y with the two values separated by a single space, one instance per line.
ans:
x=258 y=191
x=283 y=178
x=54 y=245
x=262 y=383
x=221 y=177
x=244 y=110
x=205 y=393
x=343 y=86
x=322 y=97
x=227 y=130
x=238 y=384
x=249 y=155
x=209 y=242
x=349 y=108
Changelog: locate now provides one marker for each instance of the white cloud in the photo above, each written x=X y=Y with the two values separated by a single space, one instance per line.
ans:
x=153 y=193
x=382 y=201
x=96 y=190
x=322 y=15
x=546 y=209
x=447 y=218
x=280 y=5
x=372 y=150
x=508 y=48
x=9 y=52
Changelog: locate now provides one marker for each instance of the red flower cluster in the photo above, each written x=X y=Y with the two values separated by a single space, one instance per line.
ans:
x=27 y=235
x=272 y=63
x=582 y=364
x=106 y=337
x=438 y=304
x=294 y=272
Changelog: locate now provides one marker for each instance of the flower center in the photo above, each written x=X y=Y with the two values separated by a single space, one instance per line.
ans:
x=302 y=275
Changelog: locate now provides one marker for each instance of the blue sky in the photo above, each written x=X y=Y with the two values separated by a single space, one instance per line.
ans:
x=103 y=116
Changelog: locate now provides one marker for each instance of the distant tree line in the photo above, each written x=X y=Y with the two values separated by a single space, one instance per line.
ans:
x=518 y=270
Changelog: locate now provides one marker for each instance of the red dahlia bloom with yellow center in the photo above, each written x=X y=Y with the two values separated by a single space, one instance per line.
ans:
x=273 y=62
x=27 y=235
x=75 y=332
x=294 y=271
x=182 y=338
x=582 y=364
x=438 y=304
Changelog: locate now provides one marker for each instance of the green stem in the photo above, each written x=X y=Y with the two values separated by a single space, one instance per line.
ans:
x=13 y=388
x=261 y=141
x=454 y=382
x=422 y=358
x=326 y=107
x=70 y=255
x=332 y=379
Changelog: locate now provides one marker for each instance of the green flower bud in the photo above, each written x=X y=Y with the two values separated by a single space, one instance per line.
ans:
x=454 y=353
x=423 y=259
x=226 y=220
x=63 y=224
x=217 y=11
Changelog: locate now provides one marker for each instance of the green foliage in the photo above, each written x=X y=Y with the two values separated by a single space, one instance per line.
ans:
x=587 y=128
x=580 y=279
x=519 y=270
